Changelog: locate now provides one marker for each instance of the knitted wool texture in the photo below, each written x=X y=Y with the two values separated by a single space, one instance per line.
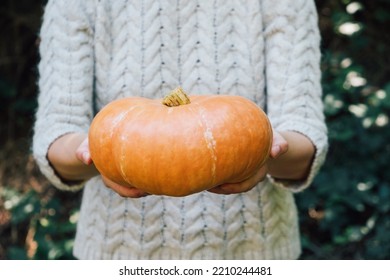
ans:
x=93 y=52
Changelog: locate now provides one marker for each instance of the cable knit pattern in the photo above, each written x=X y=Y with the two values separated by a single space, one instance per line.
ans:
x=95 y=51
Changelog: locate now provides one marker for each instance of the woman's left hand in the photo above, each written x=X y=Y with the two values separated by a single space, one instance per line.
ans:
x=279 y=147
x=244 y=186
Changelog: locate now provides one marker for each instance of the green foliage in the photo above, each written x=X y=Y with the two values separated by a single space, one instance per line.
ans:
x=19 y=21
x=345 y=215
x=47 y=231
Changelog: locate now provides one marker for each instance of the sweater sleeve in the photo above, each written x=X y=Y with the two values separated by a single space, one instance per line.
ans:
x=65 y=81
x=293 y=77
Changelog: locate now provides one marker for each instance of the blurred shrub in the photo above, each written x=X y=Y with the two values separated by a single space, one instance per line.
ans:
x=346 y=214
x=41 y=227
x=20 y=21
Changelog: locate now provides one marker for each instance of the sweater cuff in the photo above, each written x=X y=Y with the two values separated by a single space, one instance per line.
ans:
x=320 y=142
x=40 y=150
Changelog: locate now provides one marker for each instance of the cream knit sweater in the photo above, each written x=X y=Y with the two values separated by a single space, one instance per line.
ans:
x=95 y=51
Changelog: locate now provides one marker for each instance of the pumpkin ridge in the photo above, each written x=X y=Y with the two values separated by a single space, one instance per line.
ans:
x=122 y=158
x=209 y=139
x=112 y=131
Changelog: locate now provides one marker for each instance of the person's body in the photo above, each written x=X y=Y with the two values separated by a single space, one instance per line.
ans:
x=93 y=52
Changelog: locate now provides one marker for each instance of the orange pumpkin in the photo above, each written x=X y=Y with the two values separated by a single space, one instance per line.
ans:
x=179 y=145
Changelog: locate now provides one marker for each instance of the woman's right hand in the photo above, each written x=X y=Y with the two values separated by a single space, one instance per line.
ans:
x=83 y=154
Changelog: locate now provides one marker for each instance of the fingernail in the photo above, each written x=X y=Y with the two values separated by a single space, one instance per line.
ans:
x=275 y=151
x=86 y=158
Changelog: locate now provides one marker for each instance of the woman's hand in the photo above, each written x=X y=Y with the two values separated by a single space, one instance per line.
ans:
x=68 y=162
x=124 y=191
x=243 y=186
x=83 y=154
x=279 y=147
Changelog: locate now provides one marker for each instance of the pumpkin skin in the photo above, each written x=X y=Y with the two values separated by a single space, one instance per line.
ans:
x=180 y=150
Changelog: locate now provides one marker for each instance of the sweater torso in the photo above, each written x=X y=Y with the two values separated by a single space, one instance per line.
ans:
x=147 y=48
x=113 y=49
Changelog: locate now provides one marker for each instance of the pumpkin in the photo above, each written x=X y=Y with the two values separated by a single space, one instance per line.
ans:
x=179 y=145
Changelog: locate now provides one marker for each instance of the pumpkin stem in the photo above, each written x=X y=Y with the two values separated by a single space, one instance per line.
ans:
x=176 y=97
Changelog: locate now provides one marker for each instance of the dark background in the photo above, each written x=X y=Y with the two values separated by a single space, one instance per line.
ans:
x=344 y=215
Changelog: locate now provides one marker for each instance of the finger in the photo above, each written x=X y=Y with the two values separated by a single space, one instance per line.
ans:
x=86 y=158
x=244 y=186
x=124 y=191
x=129 y=192
x=279 y=145
x=83 y=154
x=230 y=188
x=275 y=151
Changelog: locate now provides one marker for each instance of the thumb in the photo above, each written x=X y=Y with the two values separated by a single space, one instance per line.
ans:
x=279 y=145
x=82 y=152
